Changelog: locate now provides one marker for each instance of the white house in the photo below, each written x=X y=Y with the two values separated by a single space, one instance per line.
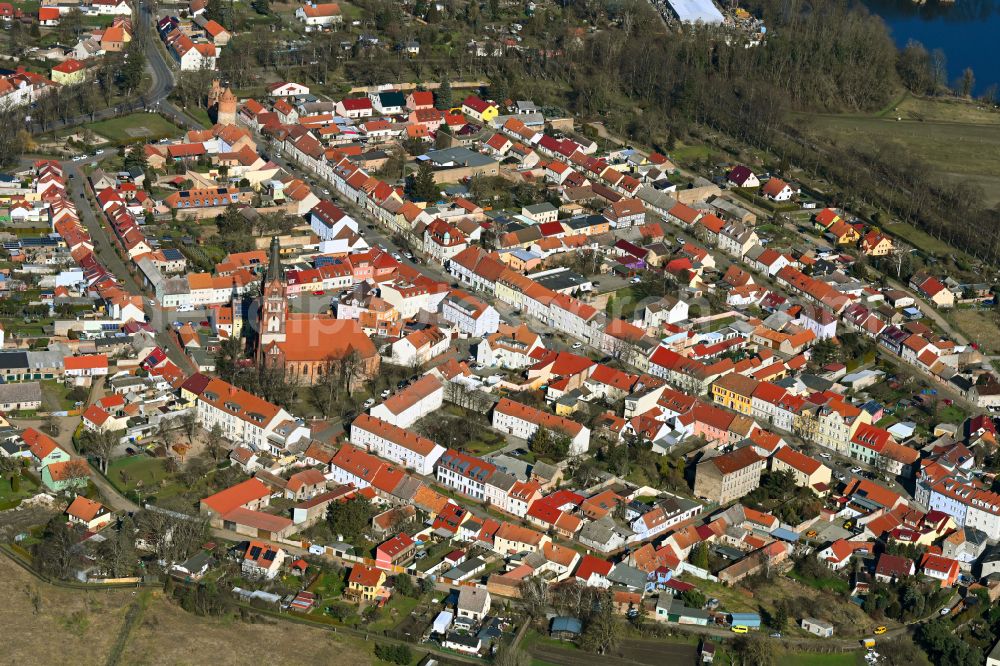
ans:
x=420 y=346
x=464 y=473
x=395 y=444
x=328 y=221
x=315 y=15
x=667 y=310
x=287 y=89
x=523 y=421
x=473 y=603
x=471 y=315
x=262 y=560
x=414 y=402
x=245 y=418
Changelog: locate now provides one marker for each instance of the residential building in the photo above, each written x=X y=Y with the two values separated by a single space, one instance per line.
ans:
x=729 y=476
x=395 y=443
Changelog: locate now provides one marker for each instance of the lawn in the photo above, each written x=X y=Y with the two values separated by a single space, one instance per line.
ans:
x=487 y=442
x=56 y=395
x=398 y=608
x=832 y=583
x=9 y=498
x=329 y=586
x=919 y=239
x=201 y=115
x=688 y=154
x=951 y=414
x=134 y=127
x=435 y=554
x=129 y=472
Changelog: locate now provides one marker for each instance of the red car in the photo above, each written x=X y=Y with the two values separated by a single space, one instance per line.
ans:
x=319 y=293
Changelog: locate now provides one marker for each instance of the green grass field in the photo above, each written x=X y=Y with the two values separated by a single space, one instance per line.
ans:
x=9 y=498
x=134 y=127
x=141 y=468
x=960 y=140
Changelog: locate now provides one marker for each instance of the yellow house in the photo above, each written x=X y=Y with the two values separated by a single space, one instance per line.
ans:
x=69 y=72
x=844 y=233
x=567 y=405
x=735 y=391
x=366 y=583
x=876 y=244
x=833 y=425
x=479 y=109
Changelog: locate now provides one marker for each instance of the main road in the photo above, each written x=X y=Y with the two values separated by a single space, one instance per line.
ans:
x=154 y=99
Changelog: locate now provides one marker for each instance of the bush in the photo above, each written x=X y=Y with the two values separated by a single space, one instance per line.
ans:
x=396 y=654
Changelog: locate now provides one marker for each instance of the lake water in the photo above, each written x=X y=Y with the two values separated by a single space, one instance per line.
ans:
x=966 y=30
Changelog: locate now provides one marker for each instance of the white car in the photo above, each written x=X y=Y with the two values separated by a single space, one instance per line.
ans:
x=577 y=345
x=369 y=403
x=385 y=394
x=825 y=456
x=856 y=470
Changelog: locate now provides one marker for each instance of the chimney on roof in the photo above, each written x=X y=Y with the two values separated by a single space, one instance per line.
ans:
x=232 y=390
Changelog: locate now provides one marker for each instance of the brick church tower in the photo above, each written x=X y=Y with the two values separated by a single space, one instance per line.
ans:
x=222 y=104
x=273 y=303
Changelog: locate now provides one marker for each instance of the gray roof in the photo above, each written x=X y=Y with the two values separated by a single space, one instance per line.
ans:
x=457 y=157
x=13 y=360
x=569 y=624
x=629 y=576
x=544 y=470
x=23 y=392
x=544 y=207
x=502 y=480
x=677 y=607
x=473 y=599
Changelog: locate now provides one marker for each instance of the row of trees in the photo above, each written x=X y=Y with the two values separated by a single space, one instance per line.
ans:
x=172 y=537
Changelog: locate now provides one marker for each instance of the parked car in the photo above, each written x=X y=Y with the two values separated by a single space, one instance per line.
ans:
x=385 y=394
x=577 y=345
x=369 y=403
x=825 y=456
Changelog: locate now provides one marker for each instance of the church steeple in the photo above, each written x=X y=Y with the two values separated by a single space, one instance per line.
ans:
x=273 y=300
x=274 y=269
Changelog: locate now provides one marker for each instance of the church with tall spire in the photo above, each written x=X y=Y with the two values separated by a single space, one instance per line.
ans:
x=305 y=344
x=273 y=301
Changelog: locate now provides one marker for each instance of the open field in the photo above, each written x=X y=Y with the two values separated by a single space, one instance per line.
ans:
x=981 y=326
x=69 y=626
x=135 y=126
x=168 y=635
x=960 y=140
x=80 y=627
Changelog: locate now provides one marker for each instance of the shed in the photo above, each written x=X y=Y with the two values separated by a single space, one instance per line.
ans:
x=785 y=535
x=565 y=628
x=818 y=627
x=748 y=620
